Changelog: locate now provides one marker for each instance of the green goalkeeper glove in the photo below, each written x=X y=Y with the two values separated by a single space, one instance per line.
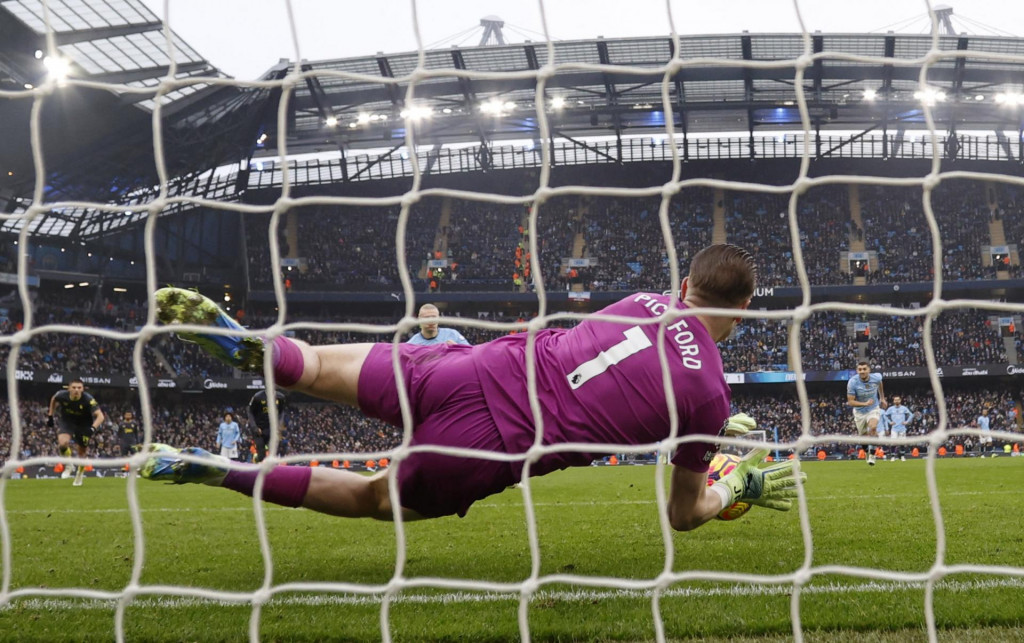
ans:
x=773 y=486
x=739 y=425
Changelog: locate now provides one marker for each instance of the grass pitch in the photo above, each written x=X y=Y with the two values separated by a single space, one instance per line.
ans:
x=592 y=524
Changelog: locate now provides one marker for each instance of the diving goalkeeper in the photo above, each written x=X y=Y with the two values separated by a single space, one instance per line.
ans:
x=598 y=383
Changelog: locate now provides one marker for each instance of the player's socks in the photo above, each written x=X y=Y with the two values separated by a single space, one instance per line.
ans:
x=69 y=468
x=287 y=360
x=282 y=486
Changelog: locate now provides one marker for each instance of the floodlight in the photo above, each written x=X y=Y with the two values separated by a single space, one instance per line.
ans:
x=492 y=106
x=416 y=113
x=59 y=68
x=930 y=96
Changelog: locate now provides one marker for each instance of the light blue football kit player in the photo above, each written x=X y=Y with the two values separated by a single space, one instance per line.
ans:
x=228 y=436
x=899 y=417
x=429 y=332
x=882 y=429
x=986 y=427
x=865 y=394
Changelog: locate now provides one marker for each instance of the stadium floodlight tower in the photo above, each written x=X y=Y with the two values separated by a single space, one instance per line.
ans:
x=943 y=13
x=492 y=27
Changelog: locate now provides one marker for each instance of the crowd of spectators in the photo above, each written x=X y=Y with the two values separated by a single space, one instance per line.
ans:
x=827 y=341
x=309 y=428
x=963 y=336
x=896 y=227
x=342 y=247
x=352 y=248
x=829 y=414
x=634 y=257
x=760 y=223
x=313 y=428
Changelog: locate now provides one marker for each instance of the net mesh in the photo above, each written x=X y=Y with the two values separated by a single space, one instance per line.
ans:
x=655 y=588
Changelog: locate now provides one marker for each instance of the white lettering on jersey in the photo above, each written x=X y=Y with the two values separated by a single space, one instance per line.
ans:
x=689 y=350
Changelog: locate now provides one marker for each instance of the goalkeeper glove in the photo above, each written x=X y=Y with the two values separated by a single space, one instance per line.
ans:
x=773 y=486
x=739 y=425
x=49 y=421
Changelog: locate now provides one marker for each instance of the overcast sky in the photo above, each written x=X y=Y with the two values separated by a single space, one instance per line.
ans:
x=244 y=38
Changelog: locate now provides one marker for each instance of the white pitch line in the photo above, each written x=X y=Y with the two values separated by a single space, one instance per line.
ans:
x=45 y=604
x=494 y=505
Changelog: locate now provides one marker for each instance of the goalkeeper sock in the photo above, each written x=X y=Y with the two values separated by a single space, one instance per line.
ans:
x=283 y=485
x=66 y=451
x=287 y=360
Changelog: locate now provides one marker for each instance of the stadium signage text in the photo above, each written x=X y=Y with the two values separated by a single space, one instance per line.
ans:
x=766 y=291
x=678 y=333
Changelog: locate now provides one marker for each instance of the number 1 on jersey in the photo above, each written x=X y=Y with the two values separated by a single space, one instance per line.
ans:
x=636 y=341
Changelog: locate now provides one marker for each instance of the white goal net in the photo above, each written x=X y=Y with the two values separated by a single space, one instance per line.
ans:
x=677 y=150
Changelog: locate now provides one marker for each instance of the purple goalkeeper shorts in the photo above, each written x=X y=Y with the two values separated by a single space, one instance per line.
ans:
x=448 y=409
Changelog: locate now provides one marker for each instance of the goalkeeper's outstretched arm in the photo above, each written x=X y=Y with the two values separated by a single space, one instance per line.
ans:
x=692 y=502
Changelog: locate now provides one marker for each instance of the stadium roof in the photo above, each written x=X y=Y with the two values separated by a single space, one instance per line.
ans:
x=478 y=96
x=113 y=41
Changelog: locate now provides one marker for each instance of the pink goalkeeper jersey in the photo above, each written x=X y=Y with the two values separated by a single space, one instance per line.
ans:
x=601 y=382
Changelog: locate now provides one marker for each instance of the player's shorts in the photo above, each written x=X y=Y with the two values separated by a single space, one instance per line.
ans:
x=860 y=420
x=229 y=452
x=263 y=424
x=899 y=432
x=986 y=437
x=448 y=409
x=80 y=434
